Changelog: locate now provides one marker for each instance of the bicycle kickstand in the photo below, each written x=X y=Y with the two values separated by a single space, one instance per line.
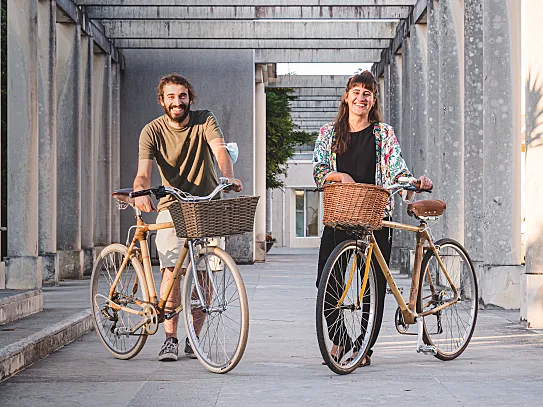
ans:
x=421 y=346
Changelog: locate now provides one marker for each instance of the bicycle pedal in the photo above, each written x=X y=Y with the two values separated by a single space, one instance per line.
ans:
x=427 y=349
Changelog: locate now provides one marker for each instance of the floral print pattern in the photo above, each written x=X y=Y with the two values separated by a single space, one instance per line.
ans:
x=389 y=163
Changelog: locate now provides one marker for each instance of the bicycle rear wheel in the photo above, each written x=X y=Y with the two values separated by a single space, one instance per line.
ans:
x=450 y=329
x=218 y=329
x=112 y=325
x=344 y=323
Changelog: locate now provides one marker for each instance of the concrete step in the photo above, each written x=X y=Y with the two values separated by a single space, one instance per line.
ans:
x=15 y=304
x=28 y=350
x=65 y=317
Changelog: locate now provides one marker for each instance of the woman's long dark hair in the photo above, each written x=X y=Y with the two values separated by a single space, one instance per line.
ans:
x=341 y=123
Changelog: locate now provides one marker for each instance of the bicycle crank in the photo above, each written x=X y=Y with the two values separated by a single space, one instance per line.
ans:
x=401 y=326
x=152 y=316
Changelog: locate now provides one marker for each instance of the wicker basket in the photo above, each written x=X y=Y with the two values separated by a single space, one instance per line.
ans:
x=221 y=217
x=354 y=206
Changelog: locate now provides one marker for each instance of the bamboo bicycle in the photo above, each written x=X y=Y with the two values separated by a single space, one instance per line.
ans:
x=443 y=299
x=125 y=306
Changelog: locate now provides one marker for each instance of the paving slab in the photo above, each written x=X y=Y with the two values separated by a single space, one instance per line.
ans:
x=502 y=366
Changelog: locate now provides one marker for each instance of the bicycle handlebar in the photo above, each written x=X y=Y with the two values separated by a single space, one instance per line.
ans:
x=162 y=191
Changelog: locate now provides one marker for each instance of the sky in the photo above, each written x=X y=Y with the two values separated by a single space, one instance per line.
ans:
x=321 y=68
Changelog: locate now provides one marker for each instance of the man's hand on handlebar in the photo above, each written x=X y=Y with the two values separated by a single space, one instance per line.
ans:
x=145 y=203
x=237 y=186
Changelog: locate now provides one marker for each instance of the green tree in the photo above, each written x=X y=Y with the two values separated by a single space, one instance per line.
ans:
x=282 y=137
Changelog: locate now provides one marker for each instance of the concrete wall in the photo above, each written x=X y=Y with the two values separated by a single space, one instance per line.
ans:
x=462 y=58
x=224 y=83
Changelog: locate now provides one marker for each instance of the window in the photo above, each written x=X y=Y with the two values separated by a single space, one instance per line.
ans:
x=308 y=213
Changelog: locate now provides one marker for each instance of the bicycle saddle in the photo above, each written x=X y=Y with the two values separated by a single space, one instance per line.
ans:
x=123 y=195
x=426 y=207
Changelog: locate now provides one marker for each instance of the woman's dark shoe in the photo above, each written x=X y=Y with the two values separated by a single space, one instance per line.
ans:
x=366 y=361
x=335 y=358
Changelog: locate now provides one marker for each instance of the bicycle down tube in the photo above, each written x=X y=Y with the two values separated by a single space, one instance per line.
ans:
x=409 y=309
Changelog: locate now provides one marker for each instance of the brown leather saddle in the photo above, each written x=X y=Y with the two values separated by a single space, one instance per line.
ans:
x=426 y=208
x=123 y=195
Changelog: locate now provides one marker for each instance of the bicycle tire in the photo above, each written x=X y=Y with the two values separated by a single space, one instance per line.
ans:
x=217 y=354
x=328 y=299
x=120 y=346
x=461 y=316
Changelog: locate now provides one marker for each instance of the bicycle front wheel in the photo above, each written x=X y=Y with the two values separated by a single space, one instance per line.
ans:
x=450 y=329
x=218 y=327
x=114 y=326
x=345 y=319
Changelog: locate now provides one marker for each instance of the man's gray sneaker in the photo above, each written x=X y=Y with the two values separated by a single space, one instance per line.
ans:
x=188 y=350
x=169 y=350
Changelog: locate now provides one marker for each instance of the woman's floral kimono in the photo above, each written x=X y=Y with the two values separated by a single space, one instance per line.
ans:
x=389 y=163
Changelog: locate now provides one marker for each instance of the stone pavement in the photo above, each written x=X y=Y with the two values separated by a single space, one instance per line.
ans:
x=503 y=365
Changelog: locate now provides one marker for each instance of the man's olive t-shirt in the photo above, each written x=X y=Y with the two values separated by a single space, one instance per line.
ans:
x=183 y=156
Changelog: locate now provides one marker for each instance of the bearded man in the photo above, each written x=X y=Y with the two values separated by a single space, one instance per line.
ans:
x=184 y=143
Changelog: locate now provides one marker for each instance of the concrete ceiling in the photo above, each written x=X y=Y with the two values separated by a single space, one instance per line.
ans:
x=355 y=31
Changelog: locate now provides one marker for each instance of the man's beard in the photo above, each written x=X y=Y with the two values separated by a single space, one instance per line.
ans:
x=180 y=118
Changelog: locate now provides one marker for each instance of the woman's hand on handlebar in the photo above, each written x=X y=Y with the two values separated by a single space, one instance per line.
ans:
x=425 y=183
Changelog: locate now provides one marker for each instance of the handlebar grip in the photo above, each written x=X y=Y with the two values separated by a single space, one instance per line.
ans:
x=143 y=192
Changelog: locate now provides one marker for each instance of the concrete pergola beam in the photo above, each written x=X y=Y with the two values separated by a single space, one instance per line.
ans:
x=316 y=55
x=417 y=15
x=209 y=3
x=268 y=29
x=317 y=93
x=314 y=104
x=68 y=12
x=250 y=43
x=247 y=12
x=315 y=115
x=310 y=81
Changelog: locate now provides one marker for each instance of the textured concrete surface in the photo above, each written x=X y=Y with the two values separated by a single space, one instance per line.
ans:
x=282 y=364
x=16 y=304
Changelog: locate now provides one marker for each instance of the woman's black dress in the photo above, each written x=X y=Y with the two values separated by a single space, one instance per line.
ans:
x=359 y=162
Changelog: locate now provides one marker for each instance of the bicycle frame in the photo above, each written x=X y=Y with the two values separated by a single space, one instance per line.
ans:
x=408 y=310
x=142 y=230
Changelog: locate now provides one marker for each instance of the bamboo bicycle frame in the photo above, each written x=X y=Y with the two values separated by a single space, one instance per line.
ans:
x=408 y=309
x=141 y=237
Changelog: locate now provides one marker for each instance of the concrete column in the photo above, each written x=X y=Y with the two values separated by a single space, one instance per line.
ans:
x=22 y=271
x=47 y=125
x=473 y=132
x=405 y=133
x=269 y=211
x=102 y=137
x=532 y=281
x=433 y=101
x=395 y=117
x=451 y=113
x=418 y=89
x=87 y=156
x=68 y=150
x=386 y=94
x=260 y=165
x=501 y=146
x=115 y=149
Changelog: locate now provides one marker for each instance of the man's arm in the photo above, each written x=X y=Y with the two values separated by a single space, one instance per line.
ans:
x=225 y=162
x=143 y=181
